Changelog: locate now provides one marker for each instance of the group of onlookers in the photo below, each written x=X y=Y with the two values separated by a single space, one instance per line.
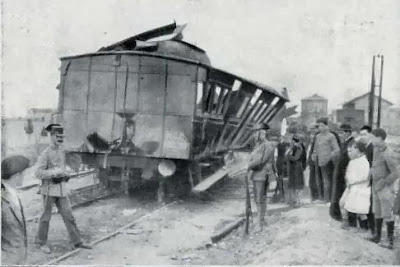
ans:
x=351 y=172
x=355 y=176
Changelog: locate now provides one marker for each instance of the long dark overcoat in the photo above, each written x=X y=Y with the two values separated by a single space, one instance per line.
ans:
x=295 y=168
x=339 y=182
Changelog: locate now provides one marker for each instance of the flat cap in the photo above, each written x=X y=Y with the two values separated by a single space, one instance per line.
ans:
x=379 y=132
x=323 y=120
x=346 y=127
x=50 y=126
x=13 y=165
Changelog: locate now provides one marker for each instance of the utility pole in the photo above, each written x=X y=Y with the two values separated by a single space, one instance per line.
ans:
x=380 y=94
x=372 y=96
x=371 y=107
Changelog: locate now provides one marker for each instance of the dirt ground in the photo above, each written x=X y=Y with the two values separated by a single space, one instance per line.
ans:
x=180 y=234
x=303 y=236
x=94 y=221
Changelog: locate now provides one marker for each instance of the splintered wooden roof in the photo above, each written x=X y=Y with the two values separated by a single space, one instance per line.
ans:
x=166 y=42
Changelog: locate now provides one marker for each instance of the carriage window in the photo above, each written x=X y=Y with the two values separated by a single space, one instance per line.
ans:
x=256 y=95
x=255 y=110
x=236 y=85
x=215 y=97
x=271 y=108
x=253 y=100
x=208 y=97
x=258 y=115
x=222 y=101
x=199 y=100
x=276 y=99
x=243 y=106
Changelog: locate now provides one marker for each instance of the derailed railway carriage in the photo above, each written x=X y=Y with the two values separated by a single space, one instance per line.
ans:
x=146 y=108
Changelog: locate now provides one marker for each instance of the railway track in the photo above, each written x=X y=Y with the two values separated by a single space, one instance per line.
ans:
x=108 y=236
x=96 y=235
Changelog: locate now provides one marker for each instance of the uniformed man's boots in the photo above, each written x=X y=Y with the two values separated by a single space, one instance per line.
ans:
x=378 y=231
x=390 y=234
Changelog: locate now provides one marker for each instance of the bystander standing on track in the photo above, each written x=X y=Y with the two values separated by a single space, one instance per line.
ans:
x=51 y=170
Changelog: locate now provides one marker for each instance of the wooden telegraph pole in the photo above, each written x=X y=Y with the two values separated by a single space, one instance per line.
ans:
x=374 y=84
x=372 y=96
x=378 y=123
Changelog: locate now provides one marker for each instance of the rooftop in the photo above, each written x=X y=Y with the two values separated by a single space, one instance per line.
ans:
x=363 y=96
x=314 y=97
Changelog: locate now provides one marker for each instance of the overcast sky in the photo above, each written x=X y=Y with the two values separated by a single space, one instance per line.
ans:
x=313 y=46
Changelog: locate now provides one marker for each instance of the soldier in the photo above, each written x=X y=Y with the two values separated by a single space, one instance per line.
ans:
x=384 y=174
x=14 y=242
x=261 y=169
x=51 y=170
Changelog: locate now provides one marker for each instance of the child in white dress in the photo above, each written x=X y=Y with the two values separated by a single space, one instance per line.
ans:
x=356 y=197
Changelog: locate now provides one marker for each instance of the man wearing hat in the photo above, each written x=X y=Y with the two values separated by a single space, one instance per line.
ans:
x=14 y=242
x=261 y=169
x=384 y=173
x=339 y=183
x=51 y=170
x=311 y=163
x=326 y=150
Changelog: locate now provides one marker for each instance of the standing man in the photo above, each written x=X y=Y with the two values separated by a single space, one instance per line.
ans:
x=14 y=242
x=312 y=167
x=281 y=168
x=366 y=137
x=51 y=170
x=384 y=174
x=339 y=182
x=261 y=169
x=325 y=152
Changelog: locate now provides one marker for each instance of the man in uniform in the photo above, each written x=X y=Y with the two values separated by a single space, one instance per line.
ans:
x=51 y=170
x=14 y=242
x=384 y=174
x=261 y=169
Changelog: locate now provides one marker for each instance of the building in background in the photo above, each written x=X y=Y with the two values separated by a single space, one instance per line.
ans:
x=355 y=111
x=312 y=108
x=391 y=121
x=41 y=114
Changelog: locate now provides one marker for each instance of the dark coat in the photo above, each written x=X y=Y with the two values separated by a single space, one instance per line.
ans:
x=369 y=153
x=339 y=182
x=295 y=168
x=280 y=159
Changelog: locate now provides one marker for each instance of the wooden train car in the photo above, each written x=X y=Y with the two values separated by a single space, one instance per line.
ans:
x=145 y=108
